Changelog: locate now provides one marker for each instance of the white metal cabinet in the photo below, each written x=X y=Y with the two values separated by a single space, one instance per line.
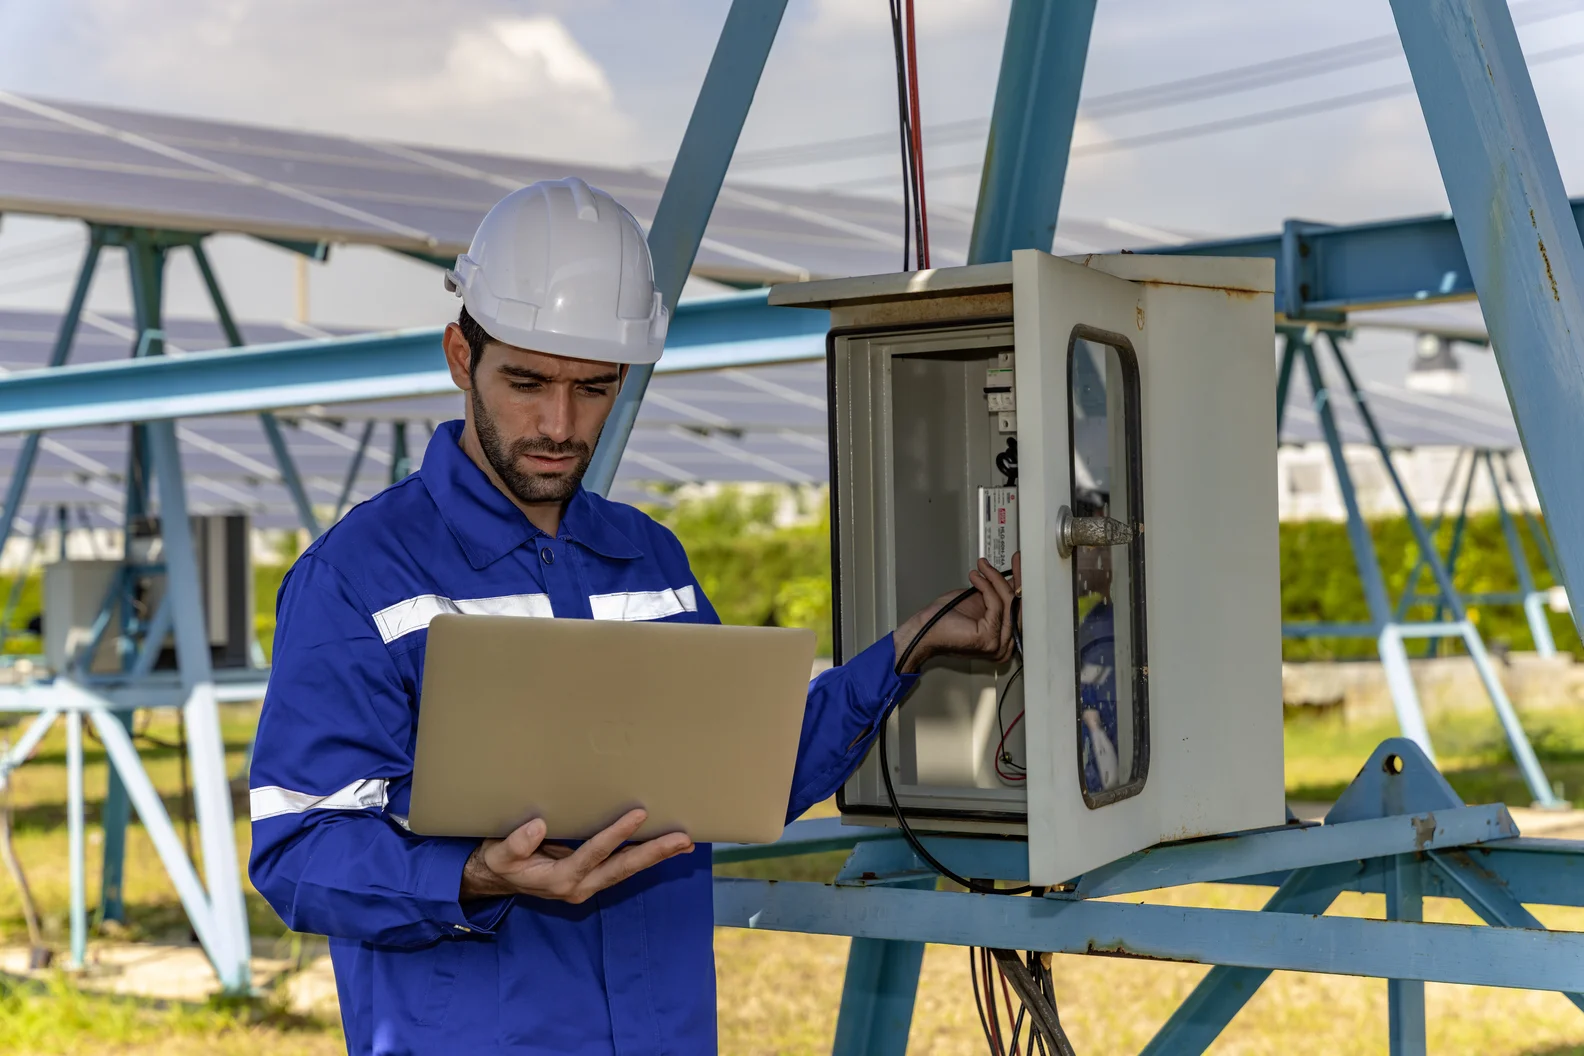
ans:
x=913 y=434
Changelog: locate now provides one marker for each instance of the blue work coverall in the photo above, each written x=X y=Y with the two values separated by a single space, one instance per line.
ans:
x=631 y=971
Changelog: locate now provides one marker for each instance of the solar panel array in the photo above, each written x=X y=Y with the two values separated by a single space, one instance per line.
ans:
x=740 y=424
x=752 y=424
x=98 y=163
x=758 y=424
x=104 y=164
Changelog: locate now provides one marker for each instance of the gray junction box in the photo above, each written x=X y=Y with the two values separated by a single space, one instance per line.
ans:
x=1124 y=395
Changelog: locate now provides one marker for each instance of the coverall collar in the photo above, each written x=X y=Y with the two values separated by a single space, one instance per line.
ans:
x=485 y=522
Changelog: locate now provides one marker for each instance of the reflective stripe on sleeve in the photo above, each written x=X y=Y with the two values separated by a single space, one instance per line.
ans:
x=414 y=614
x=644 y=604
x=272 y=800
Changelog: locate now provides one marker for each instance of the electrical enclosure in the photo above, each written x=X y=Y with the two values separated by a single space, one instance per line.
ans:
x=75 y=592
x=1125 y=395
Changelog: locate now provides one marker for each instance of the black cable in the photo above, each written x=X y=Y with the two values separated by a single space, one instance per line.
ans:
x=973 y=974
x=1043 y=1019
x=1007 y=462
x=904 y=127
x=976 y=886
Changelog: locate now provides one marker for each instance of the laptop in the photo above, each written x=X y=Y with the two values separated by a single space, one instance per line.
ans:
x=579 y=721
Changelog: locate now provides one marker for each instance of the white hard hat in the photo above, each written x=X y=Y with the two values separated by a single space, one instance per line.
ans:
x=560 y=267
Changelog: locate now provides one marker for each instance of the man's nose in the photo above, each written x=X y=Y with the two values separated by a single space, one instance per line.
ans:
x=555 y=417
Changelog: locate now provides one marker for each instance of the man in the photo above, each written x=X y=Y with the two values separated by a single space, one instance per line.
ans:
x=515 y=945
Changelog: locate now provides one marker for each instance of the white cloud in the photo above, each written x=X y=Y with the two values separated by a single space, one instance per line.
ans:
x=477 y=74
x=504 y=60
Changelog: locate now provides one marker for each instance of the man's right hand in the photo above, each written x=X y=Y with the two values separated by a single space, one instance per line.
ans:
x=523 y=864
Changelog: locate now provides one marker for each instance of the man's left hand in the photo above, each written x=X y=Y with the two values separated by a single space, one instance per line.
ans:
x=979 y=627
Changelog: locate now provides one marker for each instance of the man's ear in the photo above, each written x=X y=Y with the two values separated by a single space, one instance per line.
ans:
x=459 y=357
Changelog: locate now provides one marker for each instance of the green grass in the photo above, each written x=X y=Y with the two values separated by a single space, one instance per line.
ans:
x=1324 y=753
x=56 y=1017
x=779 y=992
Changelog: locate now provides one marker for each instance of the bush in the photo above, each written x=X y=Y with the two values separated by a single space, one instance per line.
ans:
x=754 y=571
x=1320 y=581
x=761 y=571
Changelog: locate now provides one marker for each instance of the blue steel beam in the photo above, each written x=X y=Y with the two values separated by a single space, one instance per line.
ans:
x=1330 y=268
x=690 y=192
x=1519 y=232
x=1397 y=261
x=1509 y=957
x=1031 y=126
x=376 y=366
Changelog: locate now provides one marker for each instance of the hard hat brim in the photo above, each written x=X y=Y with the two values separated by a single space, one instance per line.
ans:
x=571 y=346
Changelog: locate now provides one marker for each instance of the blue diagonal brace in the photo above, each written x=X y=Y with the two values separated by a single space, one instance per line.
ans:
x=878 y=994
x=1486 y=894
x=1222 y=993
x=272 y=430
x=22 y=468
x=690 y=193
x=1031 y=126
x=1518 y=233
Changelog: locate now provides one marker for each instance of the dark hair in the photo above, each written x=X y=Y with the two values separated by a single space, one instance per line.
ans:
x=475 y=337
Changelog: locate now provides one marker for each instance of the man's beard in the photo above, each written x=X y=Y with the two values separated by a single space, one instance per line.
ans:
x=529 y=488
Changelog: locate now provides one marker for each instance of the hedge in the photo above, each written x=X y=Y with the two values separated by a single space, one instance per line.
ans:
x=758 y=571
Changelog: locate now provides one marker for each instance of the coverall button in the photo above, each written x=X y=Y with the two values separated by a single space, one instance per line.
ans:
x=547 y=555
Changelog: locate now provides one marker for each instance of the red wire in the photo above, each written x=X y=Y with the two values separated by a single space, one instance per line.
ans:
x=1001 y=748
x=995 y=1005
x=918 y=134
x=1007 y=993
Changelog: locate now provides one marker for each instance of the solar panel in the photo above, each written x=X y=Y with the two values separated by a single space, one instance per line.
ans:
x=109 y=165
x=740 y=424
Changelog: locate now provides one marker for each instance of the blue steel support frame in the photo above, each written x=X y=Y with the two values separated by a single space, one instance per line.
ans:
x=206 y=747
x=22 y=469
x=1518 y=232
x=272 y=430
x=1528 y=595
x=218 y=915
x=1031 y=126
x=690 y=193
x=1533 y=600
x=146 y=258
x=1387 y=627
x=1398 y=829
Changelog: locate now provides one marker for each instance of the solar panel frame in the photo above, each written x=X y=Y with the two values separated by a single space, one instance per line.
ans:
x=108 y=165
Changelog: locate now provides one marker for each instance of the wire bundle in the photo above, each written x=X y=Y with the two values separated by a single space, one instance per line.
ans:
x=1026 y=975
x=915 y=221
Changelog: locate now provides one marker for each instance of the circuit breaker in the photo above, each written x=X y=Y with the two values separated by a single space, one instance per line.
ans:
x=1112 y=419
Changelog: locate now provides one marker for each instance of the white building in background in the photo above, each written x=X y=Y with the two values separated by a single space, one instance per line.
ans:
x=1309 y=490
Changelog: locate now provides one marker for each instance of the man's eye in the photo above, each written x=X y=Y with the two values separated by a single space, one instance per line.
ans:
x=595 y=390
x=526 y=386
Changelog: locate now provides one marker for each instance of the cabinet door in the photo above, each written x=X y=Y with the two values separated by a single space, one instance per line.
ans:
x=1080 y=338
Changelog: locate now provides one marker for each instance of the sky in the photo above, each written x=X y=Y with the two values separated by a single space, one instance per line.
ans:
x=613 y=83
